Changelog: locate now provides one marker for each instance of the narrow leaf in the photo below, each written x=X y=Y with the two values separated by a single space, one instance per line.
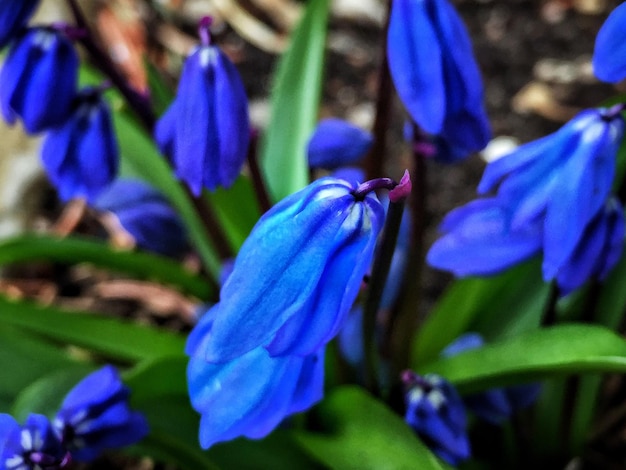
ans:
x=295 y=101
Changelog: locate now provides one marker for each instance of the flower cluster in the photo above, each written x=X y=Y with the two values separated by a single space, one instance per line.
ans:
x=38 y=85
x=291 y=287
x=93 y=417
x=552 y=196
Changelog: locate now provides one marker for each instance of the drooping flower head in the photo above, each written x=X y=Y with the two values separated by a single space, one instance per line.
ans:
x=145 y=214
x=434 y=71
x=336 y=143
x=560 y=181
x=298 y=273
x=206 y=130
x=13 y=17
x=495 y=405
x=95 y=416
x=33 y=446
x=38 y=80
x=250 y=395
x=81 y=157
x=435 y=411
x=609 y=54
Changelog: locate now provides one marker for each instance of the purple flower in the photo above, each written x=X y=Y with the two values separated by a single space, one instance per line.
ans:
x=13 y=17
x=435 y=74
x=298 y=273
x=498 y=404
x=250 y=395
x=95 y=416
x=206 y=130
x=609 y=54
x=81 y=156
x=478 y=241
x=336 y=143
x=33 y=446
x=146 y=215
x=435 y=411
x=38 y=79
x=560 y=181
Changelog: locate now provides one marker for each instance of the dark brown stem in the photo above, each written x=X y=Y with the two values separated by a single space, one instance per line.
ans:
x=375 y=159
x=255 y=172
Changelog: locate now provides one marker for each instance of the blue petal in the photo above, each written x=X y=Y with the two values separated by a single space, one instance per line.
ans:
x=352 y=175
x=336 y=143
x=478 y=241
x=13 y=17
x=416 y=64
x=102 y=386
x=8 y=427
x=465 y=342
x=492 y=405
x=165 y=131
x=310 y=386
x=609 y=54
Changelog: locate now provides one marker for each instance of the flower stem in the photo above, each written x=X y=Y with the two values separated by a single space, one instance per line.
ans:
x=380 y=270
x=255 y=172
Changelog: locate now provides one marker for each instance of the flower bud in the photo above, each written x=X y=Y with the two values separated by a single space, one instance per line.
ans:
x=336 y=143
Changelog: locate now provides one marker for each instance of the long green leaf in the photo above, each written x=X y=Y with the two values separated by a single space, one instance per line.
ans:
x=295 y=100
x=361 y=433
x=558 y=350
x=500 y=299
x=76 y=250
x=111 y=337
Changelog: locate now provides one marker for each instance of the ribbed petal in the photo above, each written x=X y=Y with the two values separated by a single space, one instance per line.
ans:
x=337 y=143
x=310 y=386
x=104 y=385
x=416 y=65
x=233 y=122
x=280 y=266
x=478 y=241
x=609 y=54
x=16 y=63
x=8 y=426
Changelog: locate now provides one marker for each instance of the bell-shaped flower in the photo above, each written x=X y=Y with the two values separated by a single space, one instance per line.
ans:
x=298 y=273
x=250 y=395
x=597 y=251
x=81 y=156
x=478 y=241
x=560 y=181
x=13 y=17
x=336 y=143
x=38 y=79
x=435 y=73
x=146 y=215
x=609 y=54
x=33 y=446
x=95 y=416
x=435 y=411
x=206 y=130
x=498 y=404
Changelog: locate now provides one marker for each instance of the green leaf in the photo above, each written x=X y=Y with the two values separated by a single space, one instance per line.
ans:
x=295 y=100
x=115 y=338
x=503 y=301
x=164 y=376
x=558 y=350
x=23 y=360
x=44 y=395
x=76 y=250
x=362 y=433
x=141 y=158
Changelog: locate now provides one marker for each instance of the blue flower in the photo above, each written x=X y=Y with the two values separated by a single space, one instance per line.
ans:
x=435 y=411
x=95 y=416
x=337 y=143
x=298 y=273
x=352 y=175
x=13 y=17
x=146 y=215
x=560 y=181
x=33 y=446
x=495 y=405
x=206 y=129
x=81 y=156
x=435 y=74
x=38 y=80
x=598 y=250
x=609 y=54
x=478 y=240
x=250 y=395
